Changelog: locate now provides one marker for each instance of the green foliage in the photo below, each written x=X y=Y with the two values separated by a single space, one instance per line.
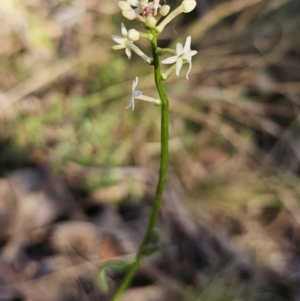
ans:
x=150 y=249
x=111 y=267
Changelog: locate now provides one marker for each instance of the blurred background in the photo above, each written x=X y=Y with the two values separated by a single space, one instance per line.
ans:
x=78 y=171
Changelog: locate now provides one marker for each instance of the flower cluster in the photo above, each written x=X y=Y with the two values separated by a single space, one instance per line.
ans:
x=154 y=17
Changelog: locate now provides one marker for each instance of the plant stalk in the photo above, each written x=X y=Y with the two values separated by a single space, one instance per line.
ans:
x=162 y=173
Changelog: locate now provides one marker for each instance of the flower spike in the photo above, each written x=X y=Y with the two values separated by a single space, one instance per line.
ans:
x=154 y=17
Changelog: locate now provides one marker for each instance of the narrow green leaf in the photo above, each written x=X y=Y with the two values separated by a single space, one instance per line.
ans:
x=102 y=278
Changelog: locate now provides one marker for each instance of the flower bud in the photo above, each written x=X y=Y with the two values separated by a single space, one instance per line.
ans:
x=164 y=10
x=129 y=14
x=124 y=5
x=133 y=35
x=188 y=5
x=150 y=22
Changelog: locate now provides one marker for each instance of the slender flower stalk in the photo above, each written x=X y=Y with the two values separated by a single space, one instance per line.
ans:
x=169 y=18
x=167 y=73
x=162 y=172
x=138 y=51
x=150 y=13
x=161 y=51
x=185 y=7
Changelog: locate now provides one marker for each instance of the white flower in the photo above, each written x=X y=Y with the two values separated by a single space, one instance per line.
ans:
x=183 y=55
x=144 y=7
x=125 y=42
x=139 y=95
x=135 y=93
x=122 y=41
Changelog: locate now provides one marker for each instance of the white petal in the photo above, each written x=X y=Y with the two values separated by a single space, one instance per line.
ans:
x=193 y=52
x=170 y=60
x=117 y=47
x=190 y=67
x=128 y=52
x=135 y=83
x=131 y=104
x=178 y=66
x=188 y=56
x=179 y=48
x=118 y=39
x=123 y=30
x=133 y=2
x=187 y=45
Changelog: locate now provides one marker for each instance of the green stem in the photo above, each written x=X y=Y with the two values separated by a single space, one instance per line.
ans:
x=162 y=173
x=161 y=51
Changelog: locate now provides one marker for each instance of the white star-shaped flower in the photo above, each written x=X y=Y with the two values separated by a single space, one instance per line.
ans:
x=122 y=41
x=127 y=42
x=183 y=55
x=135 y=93
x=139 y=95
